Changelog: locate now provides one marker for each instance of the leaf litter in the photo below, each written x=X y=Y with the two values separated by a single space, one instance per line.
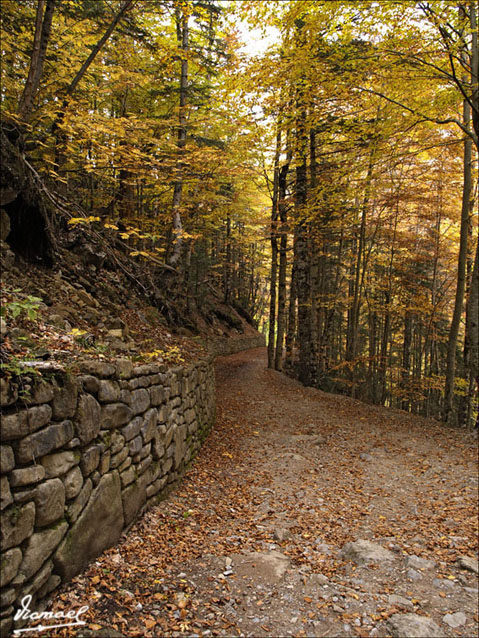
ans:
x=249 y=543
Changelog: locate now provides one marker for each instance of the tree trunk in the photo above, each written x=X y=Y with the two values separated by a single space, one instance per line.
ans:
x=472 y=336
x=283 y=262
x=182 y=31
x=291 y=331
x=43 y=23
x=274 y=253
x=448 y=409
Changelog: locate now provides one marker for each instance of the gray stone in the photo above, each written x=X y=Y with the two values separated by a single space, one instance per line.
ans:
x=99 y=526
x=146 y=368
x=128 y=476
x=7 y=597
x=73 y=482
x=169 y=435
x=97 y=368
x=50 y=502
x=281 y=534
x=14 y=426
x=117 y=459
x=16 y=525
x=148 y=428
x=125 y=465
x=109 y=391
x=52 y=583
x=413 y=626
x=117 y=442
x=455 y=620
x=114 y=415
x=364 y=551
x=95 y=477
x=399 y=601
x=469 y=563
x=133 y=498
x=27 y=475
x=73 y=510
x=24 y=496
x=154 y=472
x=105 y=462
x=6 y=497
x=7 y=461
x=156 y=486
x=74 y=443
x=415 y=562
x=40 y=546
x=365 y=456
x=412 y=574
x=190 y=416
x=157 y=395
x=267 y=566
x=9 y=565
x=90 y=459
x=143 y=382
x=125 y=396
x=140 y=401
x=144 y=465
x=135 y=445
x=90 y=384
x=65 y=398
x=123 y=368
x=38 y=580
x=8 y=392
x=167 y=465
x=145 y=451
x=87 y=418
x=132 y=429
x=158 y=449
x=45 y=441
x=60 y=463
x=6 y=625
x=41 y=393
x=38 y=416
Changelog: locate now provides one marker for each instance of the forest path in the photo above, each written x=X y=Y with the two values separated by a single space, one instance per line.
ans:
x=250 y=542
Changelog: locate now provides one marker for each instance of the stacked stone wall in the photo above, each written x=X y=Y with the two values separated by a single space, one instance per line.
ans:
x=84 y=453
x=81 y=456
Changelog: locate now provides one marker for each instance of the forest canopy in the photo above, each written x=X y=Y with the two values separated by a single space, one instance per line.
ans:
x=327 y=185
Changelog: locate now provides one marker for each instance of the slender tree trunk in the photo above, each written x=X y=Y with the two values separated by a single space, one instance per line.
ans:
x=291 y=331
x=43 y=23
x=353 y=324
x=182 y=30
x=472 y=336
x=406 y=358
x=302 y=277
x=448 y=408
x=313 y=273
x=283 y=262
x=274 y=253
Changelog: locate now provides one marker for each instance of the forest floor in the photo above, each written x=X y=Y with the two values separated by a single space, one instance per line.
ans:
x=251 y=542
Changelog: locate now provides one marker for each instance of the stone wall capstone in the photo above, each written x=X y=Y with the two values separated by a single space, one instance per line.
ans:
x=82 y=455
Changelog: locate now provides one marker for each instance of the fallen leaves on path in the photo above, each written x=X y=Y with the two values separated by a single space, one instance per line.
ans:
x=264 y=480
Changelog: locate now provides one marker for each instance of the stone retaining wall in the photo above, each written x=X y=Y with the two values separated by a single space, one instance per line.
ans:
x=84 y=453
x=81 y=456
x=223 y=346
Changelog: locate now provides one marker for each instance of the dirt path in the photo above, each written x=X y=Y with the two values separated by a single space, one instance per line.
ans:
x=250 y=543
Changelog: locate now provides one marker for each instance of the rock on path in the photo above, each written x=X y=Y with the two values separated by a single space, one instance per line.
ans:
x=413 y=626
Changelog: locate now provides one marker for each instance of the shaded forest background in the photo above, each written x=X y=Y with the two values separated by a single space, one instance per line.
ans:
x=327 y=187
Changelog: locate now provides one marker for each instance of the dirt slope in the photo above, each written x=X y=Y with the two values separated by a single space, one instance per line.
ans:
x=250 y=544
